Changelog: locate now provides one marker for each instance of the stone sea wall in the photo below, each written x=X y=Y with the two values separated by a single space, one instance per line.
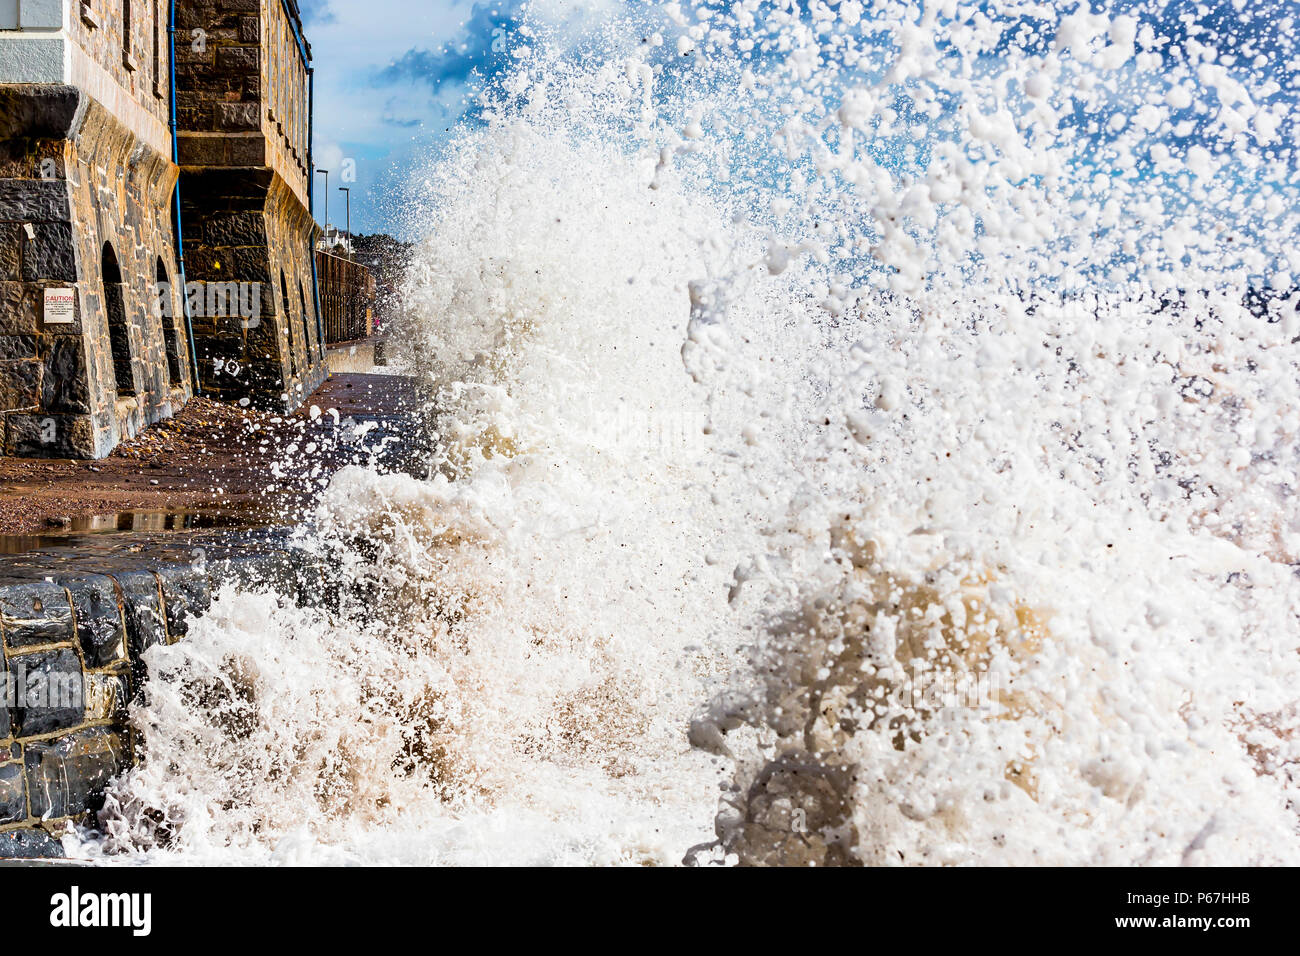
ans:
x=75 y=624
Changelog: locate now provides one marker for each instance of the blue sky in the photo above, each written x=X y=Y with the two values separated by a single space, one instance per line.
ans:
x=371 y=115
x=395 y=77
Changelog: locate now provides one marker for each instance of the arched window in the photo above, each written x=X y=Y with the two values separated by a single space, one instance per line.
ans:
x=288 y=326
x=119 y=328
x=306 y=329
x=126 y=30
x=166 y=315
x=157 y=47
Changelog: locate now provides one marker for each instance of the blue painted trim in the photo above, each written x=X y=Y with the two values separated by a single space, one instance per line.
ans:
x=311 y=204
x=180 y=231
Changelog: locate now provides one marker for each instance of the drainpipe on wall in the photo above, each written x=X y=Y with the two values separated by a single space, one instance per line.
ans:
x=311 y=203
x=180 y=232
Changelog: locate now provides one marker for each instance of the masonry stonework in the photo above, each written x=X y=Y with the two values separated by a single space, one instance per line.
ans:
x=75 y=633
x=86 y=184
x=94 y=331
x=242 y=97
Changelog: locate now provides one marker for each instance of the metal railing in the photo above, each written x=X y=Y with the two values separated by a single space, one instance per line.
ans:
x=347 y=298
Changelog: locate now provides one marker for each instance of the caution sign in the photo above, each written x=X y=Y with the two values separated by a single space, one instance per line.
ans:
x=60 y=306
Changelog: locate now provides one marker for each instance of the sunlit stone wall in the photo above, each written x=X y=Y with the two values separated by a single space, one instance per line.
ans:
x=93 y=346
x=242 y=88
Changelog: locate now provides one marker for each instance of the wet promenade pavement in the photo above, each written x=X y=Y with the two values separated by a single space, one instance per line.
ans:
x=221 y=460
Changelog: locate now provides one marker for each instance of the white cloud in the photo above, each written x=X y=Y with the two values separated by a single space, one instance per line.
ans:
x=352 y=42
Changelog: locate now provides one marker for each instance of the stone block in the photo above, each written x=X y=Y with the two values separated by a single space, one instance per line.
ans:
x=203 y=150
x=6 y=719
x=239 y=59
x=248 y=151
x=236 y=116
x=250 y=264
x=20 y=384
x=142 y=605
x=203 y=265
x=41 y=14
x=37 y=112
x=235 y=229
x=33 y=200
x=186 y=594
x=18 y=309
x=10 y=247
x=51 y=256
x=49 y=692
x=48 y=160
x=214 y=350
x=29 y=845
x=14 y=347
x=50 y=436
x=32 y=58
x=66 y=776
x=13 y=795
x=66 y=386
x=100 y=625
x=14 y=161
x=107 y=696
x=264 y=340
x=189 y=16
x=34 y=614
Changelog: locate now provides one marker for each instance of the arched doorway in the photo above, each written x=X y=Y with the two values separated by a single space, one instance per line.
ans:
x=166 y=315
x=119 y=328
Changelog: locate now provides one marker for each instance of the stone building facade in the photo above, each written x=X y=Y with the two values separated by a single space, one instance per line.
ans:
x=93 y=344
x=244 y=116
x=95 y=325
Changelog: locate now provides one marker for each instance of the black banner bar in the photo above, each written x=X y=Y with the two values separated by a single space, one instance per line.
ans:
x=140 y=906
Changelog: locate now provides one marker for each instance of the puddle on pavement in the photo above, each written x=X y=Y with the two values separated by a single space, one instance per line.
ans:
x=126 y=522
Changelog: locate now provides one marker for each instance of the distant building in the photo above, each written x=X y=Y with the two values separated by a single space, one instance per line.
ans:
x=335 y=242
x=90 y=350
x=243 y=97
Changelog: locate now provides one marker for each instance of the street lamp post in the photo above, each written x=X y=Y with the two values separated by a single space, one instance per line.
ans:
x=348 y=195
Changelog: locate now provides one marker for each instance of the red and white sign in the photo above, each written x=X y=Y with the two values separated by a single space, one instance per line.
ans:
x=60 y=306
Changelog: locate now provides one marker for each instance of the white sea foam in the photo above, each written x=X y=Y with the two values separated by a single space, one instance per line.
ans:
x=784 y=370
